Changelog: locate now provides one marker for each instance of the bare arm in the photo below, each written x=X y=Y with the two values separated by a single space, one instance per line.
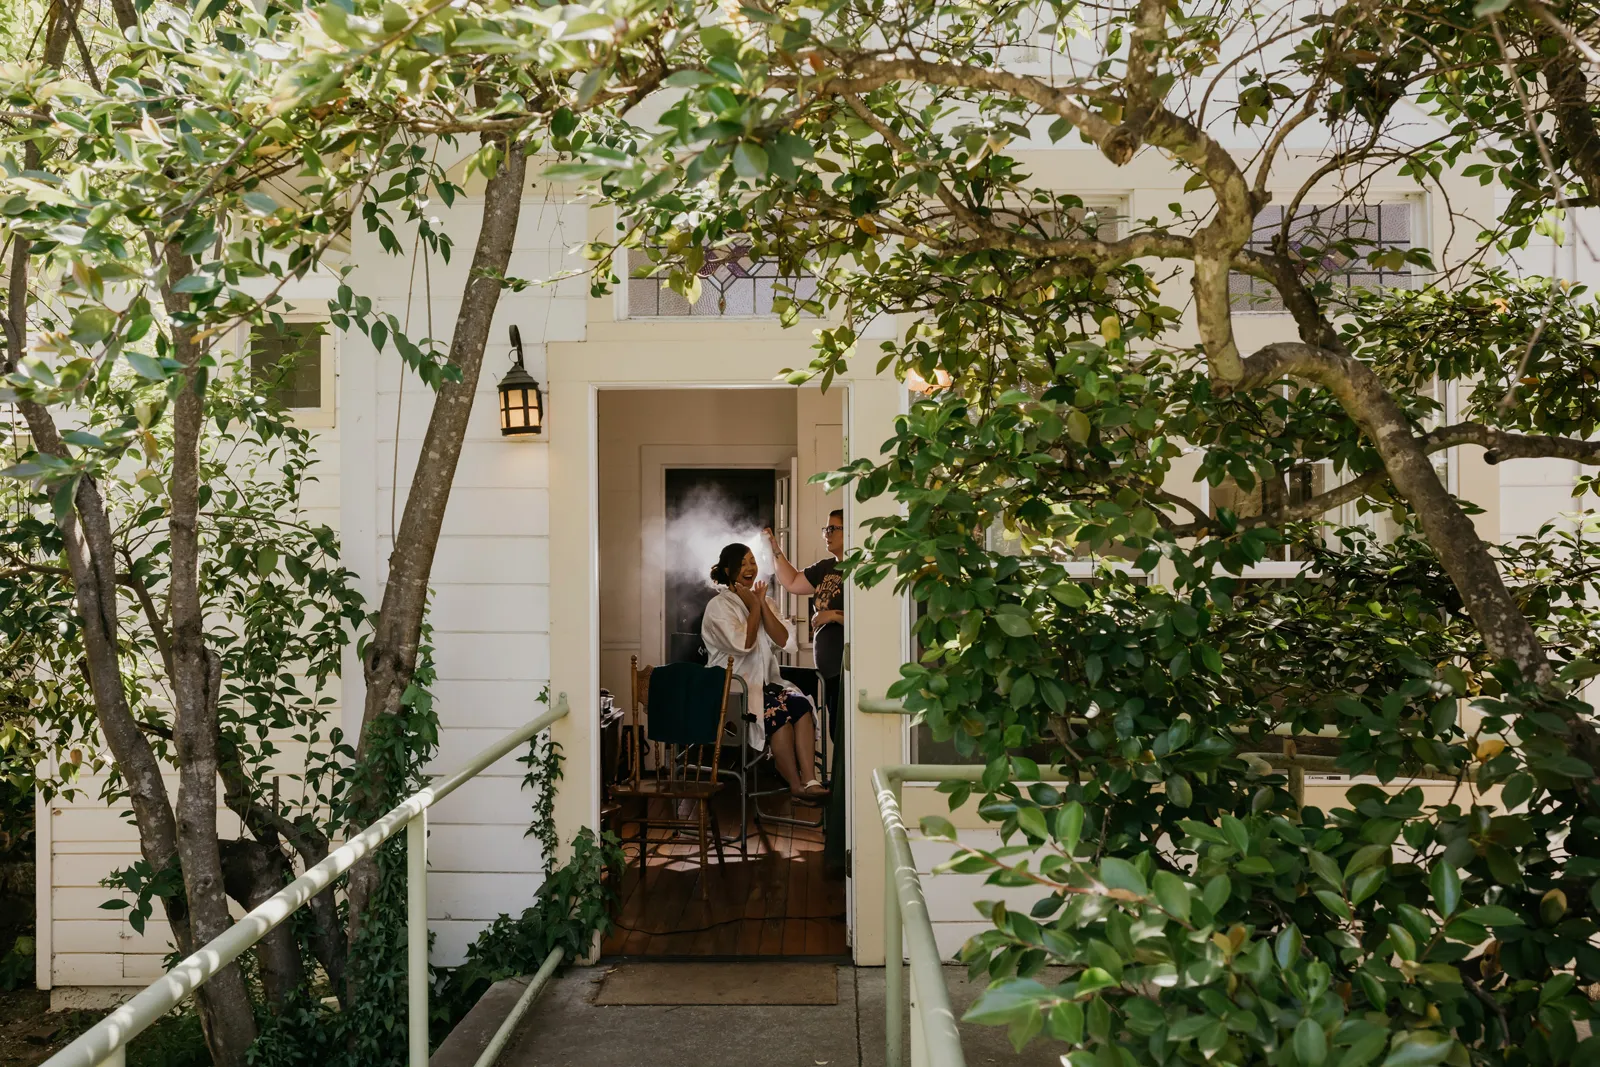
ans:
x=773 y=625
x=788 y=577
x=751 y=625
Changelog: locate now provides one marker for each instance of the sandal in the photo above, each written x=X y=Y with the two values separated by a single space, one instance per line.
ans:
x=814 y=792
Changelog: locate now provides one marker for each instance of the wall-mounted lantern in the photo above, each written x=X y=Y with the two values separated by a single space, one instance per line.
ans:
x=521 y=404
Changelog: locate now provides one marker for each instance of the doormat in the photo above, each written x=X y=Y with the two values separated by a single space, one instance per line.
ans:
x=640 y=984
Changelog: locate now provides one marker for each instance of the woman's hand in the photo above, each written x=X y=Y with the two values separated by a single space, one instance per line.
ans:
x=752 y=596
x=824 y=618
x=772 y=540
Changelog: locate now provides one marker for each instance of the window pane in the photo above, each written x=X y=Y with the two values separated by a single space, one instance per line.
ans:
x=287 y=362
x=1295 y=486
x=732 y=283
x=1314 y=233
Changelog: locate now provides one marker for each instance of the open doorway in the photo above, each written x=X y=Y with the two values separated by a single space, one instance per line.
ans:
x=704 y=508
x=682 y=472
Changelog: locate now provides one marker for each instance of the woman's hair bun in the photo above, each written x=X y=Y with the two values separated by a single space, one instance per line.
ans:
x=729 y=563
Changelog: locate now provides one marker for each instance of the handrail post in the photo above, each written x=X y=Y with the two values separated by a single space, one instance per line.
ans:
x=893 y=951
x=417 y=937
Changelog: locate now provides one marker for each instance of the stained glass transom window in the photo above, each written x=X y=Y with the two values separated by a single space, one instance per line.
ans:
x=733 y=282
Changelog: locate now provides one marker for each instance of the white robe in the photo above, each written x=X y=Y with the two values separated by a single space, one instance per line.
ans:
x=722 y=632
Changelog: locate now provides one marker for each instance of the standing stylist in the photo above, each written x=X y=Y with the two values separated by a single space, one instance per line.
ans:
x=825 y=585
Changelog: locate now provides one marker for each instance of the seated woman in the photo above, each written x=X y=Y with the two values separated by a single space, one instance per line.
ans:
x=741 y=622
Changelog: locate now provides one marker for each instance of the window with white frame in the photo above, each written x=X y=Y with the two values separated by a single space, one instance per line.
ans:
x=1296 y=485
x=734 y=283
x=1338 y=240
x=292 y=361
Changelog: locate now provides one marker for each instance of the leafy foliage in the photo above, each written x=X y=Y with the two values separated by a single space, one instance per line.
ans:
x=1202 y=910
x=574 y=904
x=544 y=761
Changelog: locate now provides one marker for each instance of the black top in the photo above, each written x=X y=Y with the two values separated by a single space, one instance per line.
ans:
x=828 y=642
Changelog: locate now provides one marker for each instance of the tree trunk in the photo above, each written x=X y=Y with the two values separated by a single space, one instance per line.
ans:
x=253 y=872
x=226 y=1014
x=1506 y=631
x=91 y=560
x=392 y=655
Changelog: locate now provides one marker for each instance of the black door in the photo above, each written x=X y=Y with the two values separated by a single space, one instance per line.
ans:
x=707 y=508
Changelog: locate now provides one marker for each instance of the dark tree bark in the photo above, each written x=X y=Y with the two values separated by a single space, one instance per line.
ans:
x=392 y=654
x=253 y=871
x=225 y=1010
x=91 y=560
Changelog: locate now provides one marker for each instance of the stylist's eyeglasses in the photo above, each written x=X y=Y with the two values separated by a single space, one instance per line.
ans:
x=833 y=529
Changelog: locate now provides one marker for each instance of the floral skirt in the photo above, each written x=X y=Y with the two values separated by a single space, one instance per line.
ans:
x=781 y=706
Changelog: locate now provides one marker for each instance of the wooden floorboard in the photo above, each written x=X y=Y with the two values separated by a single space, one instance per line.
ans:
x=774 y=902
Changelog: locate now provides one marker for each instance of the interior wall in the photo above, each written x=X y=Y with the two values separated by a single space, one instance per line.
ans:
x=631 y=420
x=820 y=418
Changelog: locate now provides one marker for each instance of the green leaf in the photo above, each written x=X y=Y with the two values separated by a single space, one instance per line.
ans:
x=750 y=160
x=1116 y=873
x=1216 y=892
x=1078 y=427
x=1367 y=883
x=1179 y=792
x=1334 y=903
x=260 y=203
x=1172 y=894
x=1482 y=9
x=1405 y=946
x=1014 y=625
x=1032 y=822
x=1065 y=1022
x=195 y=283
x=1517 y=790
x=1286 y=949
x=1006 y=1001
x=1446 y=886
x=1492 y=915
x=1310 y=1043
x=1502 y=866
x=1237 y=833
x=688 y=79
x=92 y=325
x=936 y=826
x=144 y=366
x=1325 y=868
x=1072 y=594
x=1418 y=1048
x=1069 y=826
x=1094 y=978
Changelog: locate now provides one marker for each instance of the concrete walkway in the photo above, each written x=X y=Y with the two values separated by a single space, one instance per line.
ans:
x=565 y=1029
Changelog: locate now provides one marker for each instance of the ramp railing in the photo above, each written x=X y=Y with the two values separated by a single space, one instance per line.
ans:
x=105 y=1043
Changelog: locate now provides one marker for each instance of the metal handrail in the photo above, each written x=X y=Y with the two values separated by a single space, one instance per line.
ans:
x=497 y=1043
x=905 y=909
x=103 y=1044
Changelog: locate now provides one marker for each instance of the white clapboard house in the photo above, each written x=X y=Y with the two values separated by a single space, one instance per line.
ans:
x=555 y=568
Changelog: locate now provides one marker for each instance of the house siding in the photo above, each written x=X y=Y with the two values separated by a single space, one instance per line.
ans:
x=490 y=610
x=492 y=614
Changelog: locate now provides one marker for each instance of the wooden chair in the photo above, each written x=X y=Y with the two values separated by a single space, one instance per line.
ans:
x=675 y=760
